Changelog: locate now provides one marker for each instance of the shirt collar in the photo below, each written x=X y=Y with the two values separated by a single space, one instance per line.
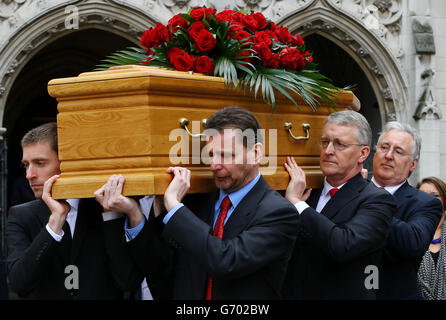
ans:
x=390 y=189
x=328 y=187
x=74 y=203
x=239 y=194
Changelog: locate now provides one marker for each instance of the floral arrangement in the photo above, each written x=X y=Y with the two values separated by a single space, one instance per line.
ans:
x=247 y=50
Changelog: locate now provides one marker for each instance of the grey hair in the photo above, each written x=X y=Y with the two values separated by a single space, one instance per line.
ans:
x=349 y=118
x=416 y=139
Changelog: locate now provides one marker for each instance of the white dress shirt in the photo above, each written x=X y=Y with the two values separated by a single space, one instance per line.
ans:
x=72 y=216
x=323 y=199
x=390 y=189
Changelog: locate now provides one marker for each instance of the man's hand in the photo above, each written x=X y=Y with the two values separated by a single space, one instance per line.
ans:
x=111 y=198
x=59 y=209
x=177 y=188
x=295 y=191
x=365 y=173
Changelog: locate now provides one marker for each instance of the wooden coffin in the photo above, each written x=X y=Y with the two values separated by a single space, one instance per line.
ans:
x=120 y=121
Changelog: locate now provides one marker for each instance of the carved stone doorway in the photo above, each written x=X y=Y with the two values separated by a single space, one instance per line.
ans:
x=29 y=105
x=343 y=70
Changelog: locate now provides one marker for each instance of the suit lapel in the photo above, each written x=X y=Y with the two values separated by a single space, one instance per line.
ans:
x=347 y=193
x=314 y=198
x=244 y=211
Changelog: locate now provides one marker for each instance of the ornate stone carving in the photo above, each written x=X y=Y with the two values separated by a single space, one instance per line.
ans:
x=423 y=38
x=382 y=17
x=12 y=67
x=9 y=7
x=387 y=94
x=427 y=107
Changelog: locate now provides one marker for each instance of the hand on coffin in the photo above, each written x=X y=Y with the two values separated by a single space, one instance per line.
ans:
x=59 y=208
x=296 y=190
x=111 y=198
x=177 y=188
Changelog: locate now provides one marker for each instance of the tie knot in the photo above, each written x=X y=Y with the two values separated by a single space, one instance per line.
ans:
x=225 y=204
x=333 y=191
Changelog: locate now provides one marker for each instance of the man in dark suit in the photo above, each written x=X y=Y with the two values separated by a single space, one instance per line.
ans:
x=417 y=215
x=230 y=244
x=343 y=226
x=63 y=249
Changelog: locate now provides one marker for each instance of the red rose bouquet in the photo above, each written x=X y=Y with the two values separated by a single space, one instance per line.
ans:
x=245 y=49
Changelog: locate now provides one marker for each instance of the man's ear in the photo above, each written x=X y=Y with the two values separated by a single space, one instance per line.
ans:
x=413 y=165
x=365 y=151
x=256 y=154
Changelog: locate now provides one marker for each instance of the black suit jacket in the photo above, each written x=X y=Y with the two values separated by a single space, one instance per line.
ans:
x=335 y=246
x=248 y=263
x=411 y=232
x=37 y=262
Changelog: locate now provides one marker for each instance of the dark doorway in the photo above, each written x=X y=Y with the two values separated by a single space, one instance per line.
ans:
x=343 y=70
x=29 y=104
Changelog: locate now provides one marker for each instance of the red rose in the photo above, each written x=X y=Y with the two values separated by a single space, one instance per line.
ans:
x=262 y=37
x=301 y=62
x=175 y=22
x=194 y=30
x=153 y=37
x=197 y=13
x=249 y=22
x=233 y=29
x=236 y=19
x=180 y=60
x=205 y=41
x=273 y=27
x=274 y=62
x=261 y=20
x=224 y=15
x=288 y=58
x=263 y=53
x=241 y=34
x=204 y=64
x=283 y=34
x=297 y=40
x=308 y=56
x=208 y=12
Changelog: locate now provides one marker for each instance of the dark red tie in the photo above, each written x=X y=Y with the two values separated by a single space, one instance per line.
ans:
x=333 y=191
x=218 y=232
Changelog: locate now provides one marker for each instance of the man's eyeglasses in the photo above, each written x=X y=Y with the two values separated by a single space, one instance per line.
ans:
x=397 y=151
x=337 y=145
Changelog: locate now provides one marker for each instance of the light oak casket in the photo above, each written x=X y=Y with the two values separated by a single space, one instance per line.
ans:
x=120 y=121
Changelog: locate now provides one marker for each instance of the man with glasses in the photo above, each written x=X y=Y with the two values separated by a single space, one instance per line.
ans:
x=344 y=225
x=416 y=218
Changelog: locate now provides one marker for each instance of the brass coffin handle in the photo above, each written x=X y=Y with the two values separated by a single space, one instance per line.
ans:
x=185 y=122
x=305 y=126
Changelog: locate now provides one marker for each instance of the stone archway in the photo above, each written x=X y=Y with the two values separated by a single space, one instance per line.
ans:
x=27 y=41
x=53 y=51
x=378 y=64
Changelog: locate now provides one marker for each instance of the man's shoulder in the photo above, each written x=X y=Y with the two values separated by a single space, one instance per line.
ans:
x=25 y=207
x=26 y=211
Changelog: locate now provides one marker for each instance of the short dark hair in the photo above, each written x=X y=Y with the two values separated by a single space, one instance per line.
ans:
x=235 y=117
x=45 y=132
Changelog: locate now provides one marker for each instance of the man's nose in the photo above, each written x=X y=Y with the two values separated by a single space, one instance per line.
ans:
x=330 y=148
x=215 y=164
x=30 y=172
